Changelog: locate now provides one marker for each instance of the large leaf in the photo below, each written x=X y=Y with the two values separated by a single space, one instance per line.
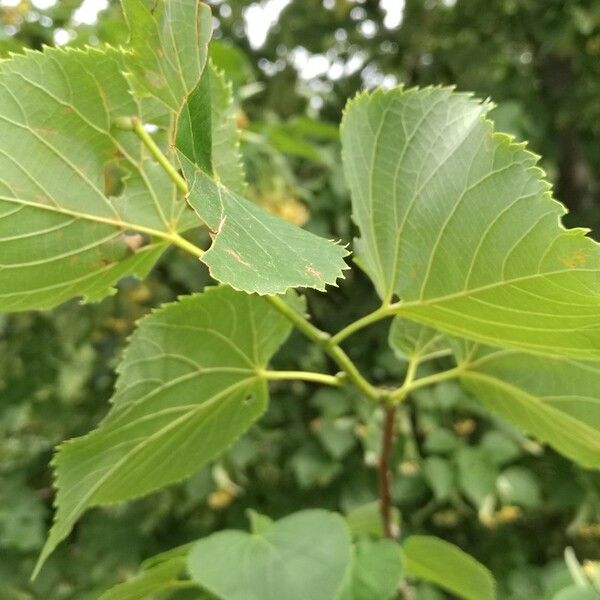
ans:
x=457 y=221
x=437 y=561
x=61 y=234
x=555 y=399
x=301 y=556
x=252 y=250
x=189 y=385
x=169 y=47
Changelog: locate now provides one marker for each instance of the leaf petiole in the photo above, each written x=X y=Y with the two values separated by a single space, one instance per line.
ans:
x=138 y=128
x=332 y=380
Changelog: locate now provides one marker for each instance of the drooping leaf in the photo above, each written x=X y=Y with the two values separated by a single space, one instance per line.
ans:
x=154 y=580
x=207 y=131
x=189 y=385
x=375 y=571
x=61 y=233
x=434 y=560
x=555 y=399
x=457 y=221
x=301 y=556
x=169 y=47
x=252 y=250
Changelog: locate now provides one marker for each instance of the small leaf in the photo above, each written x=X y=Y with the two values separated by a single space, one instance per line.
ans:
x=375 y=571
x=434 y=560
x=301 y=556
x=457 y=221
x=169 y=47
x=189 y=385
x=153 y=580
x=439 y=475
x=252 y=250
x=555 y=399
x=414 y=340
x=575 y=592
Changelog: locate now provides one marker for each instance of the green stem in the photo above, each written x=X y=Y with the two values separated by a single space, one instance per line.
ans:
x=400 y=394
x=323 y=339
x=377 y=315
x=333 y=380
x=138 y=127
x=183 y=584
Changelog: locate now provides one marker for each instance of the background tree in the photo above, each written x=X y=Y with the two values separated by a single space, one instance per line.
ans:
x=460 y=474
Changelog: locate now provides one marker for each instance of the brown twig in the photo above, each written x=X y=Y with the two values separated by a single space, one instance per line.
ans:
x=384 y=472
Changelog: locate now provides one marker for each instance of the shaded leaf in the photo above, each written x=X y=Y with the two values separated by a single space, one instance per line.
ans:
x=555 y=399
x=414 y=340
x=301 y=556
x=458 y=222
x=154 y=580
x=189 y=385
x=434 y=560
x=375 y=571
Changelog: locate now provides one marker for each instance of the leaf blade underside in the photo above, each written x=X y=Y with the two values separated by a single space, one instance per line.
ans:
x=252 y=250
x=457 y=221
x=188 y=386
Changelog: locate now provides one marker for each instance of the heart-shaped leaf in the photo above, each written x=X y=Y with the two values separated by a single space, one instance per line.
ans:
x=301 y=556
x=457 y=221
x=189 y=385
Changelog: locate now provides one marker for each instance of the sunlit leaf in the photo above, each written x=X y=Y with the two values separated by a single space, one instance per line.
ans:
x=555 y=399
x=252 y=250
x=188 y=386
x=457 y=221
x=61 y=232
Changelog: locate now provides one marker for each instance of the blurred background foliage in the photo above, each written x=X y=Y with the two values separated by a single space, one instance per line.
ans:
x=459 y=473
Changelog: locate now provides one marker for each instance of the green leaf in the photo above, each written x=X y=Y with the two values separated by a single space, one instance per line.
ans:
x=437 y=561
x=411 y=340
x=575 y=592
x=458 y=222
x=207 y=133
x=375 y=571
x=519 y=485
x=439 y=475
x=154 y=580
x=477 y=474
x=61 y=234
x=189 y=385
x=301 y=556
x=169 y=47
x=554 y=399
x=252 y=250
x=365 y=520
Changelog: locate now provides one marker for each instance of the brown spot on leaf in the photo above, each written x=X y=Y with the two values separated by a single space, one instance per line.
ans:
x=312 y=271
x=237 y=257
x=577 y=260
